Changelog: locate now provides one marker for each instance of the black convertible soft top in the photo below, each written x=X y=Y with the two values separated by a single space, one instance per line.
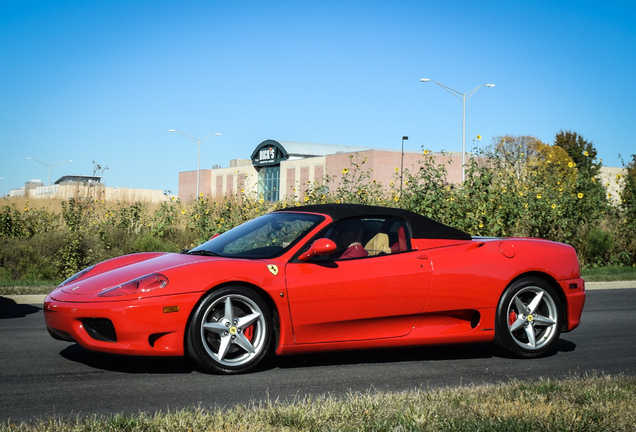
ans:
x=421 y=226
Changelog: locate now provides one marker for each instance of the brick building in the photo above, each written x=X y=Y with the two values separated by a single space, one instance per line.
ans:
x=278 y=169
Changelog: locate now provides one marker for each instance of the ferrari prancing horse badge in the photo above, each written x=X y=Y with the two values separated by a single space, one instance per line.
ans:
x=273 y=268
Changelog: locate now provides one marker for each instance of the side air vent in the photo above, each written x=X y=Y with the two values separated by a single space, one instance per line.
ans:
x=100 y=329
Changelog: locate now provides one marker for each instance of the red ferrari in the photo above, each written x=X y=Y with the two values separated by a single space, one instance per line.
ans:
x=323 y=278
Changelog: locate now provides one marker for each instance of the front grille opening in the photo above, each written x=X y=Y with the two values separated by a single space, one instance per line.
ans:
x=100 y=329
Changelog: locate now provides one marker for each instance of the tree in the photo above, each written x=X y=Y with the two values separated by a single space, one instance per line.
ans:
x=552 y=161
x=515 y=151
x=581 y=151
x=628 y=193
x=592 y=200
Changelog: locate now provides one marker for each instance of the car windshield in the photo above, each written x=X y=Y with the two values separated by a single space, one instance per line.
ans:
x=264 y=237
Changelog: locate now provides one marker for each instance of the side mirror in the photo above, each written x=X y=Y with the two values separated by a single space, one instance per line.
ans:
x=322 y=246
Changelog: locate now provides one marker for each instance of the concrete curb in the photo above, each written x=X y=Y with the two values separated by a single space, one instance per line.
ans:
x=26 y=299
x=610 y=285
x=590 y=286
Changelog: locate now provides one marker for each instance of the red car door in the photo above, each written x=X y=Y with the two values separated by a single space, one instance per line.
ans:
x=366 y=298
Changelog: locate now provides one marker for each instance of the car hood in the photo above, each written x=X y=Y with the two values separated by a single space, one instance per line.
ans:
x=112 y=273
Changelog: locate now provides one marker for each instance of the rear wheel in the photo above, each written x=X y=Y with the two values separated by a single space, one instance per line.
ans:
x=230 y=331
x=529 y=317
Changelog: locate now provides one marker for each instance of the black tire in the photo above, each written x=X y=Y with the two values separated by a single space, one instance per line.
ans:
x=230 y=331
x=529 y=318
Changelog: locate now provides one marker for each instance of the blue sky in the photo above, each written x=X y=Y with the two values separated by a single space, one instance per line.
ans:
x=103 y=81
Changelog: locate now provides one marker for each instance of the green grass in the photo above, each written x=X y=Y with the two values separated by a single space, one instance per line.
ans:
x=608 y=274
x=575 y=404
x=27 y=288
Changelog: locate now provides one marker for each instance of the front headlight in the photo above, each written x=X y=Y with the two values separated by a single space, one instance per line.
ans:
x=140 y=285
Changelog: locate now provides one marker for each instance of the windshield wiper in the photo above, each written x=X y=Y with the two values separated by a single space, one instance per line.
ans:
x=203 y=252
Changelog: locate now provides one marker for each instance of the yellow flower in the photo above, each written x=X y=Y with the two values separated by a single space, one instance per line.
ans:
x=426 y=152
x=261 y=200
x=538 y=196
x=618 y=176
x=396 y=169
x=579 y=195
x=201 y=194
x=481 y=225
x=183 y=211
x=479 y=137
x=553 y=206
x=345 y=170
x=571 y=164
x=586 y=153
x=242 y=190
x=396 y=199
x=306 y=198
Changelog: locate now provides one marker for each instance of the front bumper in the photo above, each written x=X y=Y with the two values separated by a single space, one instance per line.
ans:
x=152 y=326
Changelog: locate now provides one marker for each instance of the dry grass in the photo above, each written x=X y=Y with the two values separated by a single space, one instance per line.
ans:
x=54 y=205
x=577 y=404
x=21 y=203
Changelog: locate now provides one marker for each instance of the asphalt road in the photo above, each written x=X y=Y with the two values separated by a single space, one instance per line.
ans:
x=41 y=377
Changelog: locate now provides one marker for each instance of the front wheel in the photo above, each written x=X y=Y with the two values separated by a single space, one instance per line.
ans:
x=230 y=331
x=529 y=317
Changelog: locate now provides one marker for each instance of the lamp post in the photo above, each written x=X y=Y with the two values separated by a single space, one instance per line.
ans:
x=404 y=138
x=464 y=97
x=49 y=166
x=199 y=141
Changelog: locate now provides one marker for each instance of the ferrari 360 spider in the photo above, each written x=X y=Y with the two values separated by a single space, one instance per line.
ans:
x=323 y=278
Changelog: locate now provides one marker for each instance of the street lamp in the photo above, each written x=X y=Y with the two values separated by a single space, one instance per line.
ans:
x=199 y=141
x=49 y=166
x=404 y=138
x=464 y=97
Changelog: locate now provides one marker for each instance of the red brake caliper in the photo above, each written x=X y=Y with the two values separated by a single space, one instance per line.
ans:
x=512 y=317
x=249 y=333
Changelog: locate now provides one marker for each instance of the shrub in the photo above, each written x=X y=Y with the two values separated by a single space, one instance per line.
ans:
x=596 y=249
x=31 y=258
x=148 y=243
